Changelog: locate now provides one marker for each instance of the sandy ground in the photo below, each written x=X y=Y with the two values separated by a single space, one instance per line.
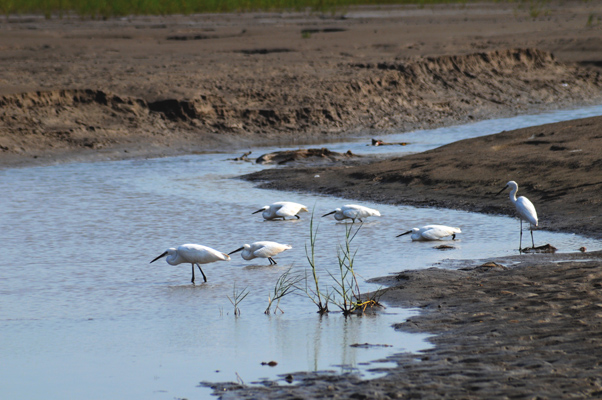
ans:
x=155 y=86
x=74 y=90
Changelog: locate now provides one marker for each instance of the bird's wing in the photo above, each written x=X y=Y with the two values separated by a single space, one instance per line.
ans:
x=197 y=253
x=432 y=234
x=435 y=232
x=526 y=209
x=269 y=249
x=190 y=252
x=288 y=209
x=351 y=213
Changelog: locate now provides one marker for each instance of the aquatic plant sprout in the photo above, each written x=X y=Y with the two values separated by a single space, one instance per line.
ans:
x=285 y=284
x=237 y=298
x=345 y=293
x=314 y=292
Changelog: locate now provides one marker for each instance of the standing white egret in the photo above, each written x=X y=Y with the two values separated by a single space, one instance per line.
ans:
x=193 y=254
x=432 y=232
x=263 y=249
x=353 y=212
x=526 y=211
x=282 y=209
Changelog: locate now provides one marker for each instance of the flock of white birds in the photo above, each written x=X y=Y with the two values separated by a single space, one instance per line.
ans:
x=196 y=254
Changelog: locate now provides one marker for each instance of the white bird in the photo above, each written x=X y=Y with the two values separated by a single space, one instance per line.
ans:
x=526 y=211
x=353 y=212
x=263 y=249
x=432 y=232
x=193 y=254
x=282 y=209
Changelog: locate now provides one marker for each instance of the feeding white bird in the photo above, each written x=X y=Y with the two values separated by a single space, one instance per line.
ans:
x=353 y=212
x=432 y=232
x=282 y=209
x=194 y=254
x=263 y=249
x=526 y=211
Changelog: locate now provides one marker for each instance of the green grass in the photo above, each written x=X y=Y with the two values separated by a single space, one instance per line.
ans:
x=117 y=8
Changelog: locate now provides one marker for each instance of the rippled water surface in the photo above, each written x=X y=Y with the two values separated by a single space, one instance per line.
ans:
x=84 y=315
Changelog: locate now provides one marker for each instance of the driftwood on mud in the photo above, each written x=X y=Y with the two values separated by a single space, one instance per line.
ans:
x=286 y=156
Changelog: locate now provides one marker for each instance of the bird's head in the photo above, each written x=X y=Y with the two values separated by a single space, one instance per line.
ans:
x=510 y=184
x=303 y=209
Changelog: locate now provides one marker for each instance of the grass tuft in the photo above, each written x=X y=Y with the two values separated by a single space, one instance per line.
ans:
x=285 y=284
x=237 y=298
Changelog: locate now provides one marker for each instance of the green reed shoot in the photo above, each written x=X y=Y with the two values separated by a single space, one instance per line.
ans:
x=314 y=293
x=285 y=284
x=347 y=286
x=237 y=298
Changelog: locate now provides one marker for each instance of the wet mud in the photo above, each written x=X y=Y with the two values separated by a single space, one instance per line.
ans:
x=529 y=327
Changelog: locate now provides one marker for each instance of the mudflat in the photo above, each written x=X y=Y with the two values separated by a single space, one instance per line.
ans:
x=523 y=327
x=73 y=89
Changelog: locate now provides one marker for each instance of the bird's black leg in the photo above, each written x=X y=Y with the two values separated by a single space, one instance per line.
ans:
x=192 y=274
x=298 y=217
x=520 y=243
x=204 y=277
x=272 y=262
x=532 y=241
x=453 y=236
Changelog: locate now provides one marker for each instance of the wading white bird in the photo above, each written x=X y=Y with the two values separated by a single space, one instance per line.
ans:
x=281 y=209
x=194 y=254
x=432 y=232
x=353 y=212
x=526 y=211
x=263 y=249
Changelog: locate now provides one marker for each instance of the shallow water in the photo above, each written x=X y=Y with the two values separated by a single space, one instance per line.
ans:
x=83 y=314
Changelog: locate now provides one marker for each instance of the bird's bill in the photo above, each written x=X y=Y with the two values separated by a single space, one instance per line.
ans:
x=502 y=190
x=330 y=213
x=258 y=211
x=405 y=233
x=162 y=255
x=236 y=251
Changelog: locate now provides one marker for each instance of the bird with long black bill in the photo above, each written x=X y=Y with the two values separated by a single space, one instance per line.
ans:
x=526 y=211
x=353 y=212
x=194 y=254
x=281 y=209
x=263 y=249
x=432 y=232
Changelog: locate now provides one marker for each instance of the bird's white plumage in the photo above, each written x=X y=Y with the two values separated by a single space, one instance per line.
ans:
x=262 y=249
x=524 y=207
x=282 y=209
x=353 y=212
x=194 y=254
x=432 y=232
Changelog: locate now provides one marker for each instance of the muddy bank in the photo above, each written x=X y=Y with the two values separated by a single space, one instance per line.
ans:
x=532 y=331
x=155 y=86
x=525 y=326
x=557 y=166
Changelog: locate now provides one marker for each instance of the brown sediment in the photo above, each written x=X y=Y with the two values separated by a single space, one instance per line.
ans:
x=557 y=166
x=155 y=86
x=530 y=331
